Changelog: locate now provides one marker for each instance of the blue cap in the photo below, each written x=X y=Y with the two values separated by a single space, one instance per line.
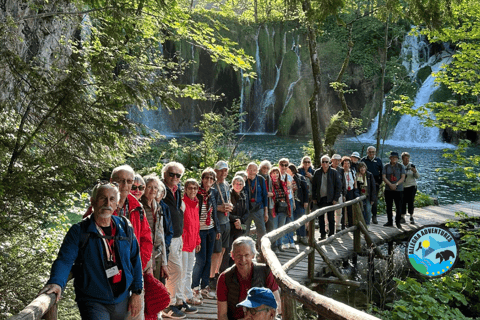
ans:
x=258 y=296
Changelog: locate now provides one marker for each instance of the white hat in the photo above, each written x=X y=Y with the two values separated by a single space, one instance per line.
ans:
x=220 y=165
x=336 y=156
x=356 y=155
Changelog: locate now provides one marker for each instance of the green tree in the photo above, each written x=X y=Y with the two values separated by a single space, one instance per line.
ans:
x=460 y=26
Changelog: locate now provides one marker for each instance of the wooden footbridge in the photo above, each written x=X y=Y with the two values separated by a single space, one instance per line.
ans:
x=293 y=270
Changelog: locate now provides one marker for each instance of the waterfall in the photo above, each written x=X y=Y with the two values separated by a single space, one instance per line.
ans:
x=409 y=130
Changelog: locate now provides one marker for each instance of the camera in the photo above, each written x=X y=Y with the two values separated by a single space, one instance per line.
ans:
x=412 y=166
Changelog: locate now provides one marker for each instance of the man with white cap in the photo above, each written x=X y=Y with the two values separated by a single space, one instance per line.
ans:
x=355 y=157
x=224 y=207
x=336 y=159
x=260 y=304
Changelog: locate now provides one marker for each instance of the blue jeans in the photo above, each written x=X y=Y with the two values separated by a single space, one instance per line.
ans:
x=90 y=310
x=258 y=218
x=297 y=214
x=203 y=259
x=367 y=211
x=283 y=219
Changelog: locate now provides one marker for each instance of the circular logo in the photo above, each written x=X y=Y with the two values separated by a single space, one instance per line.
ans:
x=432 y=251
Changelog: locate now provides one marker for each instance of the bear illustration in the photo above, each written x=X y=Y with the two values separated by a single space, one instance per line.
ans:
x=445 y=255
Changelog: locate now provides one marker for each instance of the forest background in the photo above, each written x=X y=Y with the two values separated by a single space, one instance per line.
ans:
x=64 y=112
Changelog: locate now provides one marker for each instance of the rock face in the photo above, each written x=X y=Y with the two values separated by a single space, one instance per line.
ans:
x=277 y=99
x=34 y=35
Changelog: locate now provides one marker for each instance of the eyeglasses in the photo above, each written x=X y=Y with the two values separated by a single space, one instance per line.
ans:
x=135 y=187
x=324 y=161
x=192 y=188
x=209 y=178
x=284 y=165
x=172 y=174
x=254 y=311
x=124 y=181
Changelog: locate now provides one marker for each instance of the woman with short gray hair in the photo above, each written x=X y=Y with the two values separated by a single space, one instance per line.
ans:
x=158 y=217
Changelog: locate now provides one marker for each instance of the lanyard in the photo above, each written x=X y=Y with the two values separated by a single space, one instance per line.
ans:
x=253 y=198
x=124 y=211
x=109 y=245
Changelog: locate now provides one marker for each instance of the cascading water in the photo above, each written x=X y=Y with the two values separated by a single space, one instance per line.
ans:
x=409 y=130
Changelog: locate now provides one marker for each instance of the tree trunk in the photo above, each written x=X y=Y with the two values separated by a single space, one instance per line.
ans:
x=256 y=10
x=382 y=86
x=314 y=100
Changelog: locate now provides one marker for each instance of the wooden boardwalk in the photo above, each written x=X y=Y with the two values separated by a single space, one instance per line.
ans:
x=342 y=248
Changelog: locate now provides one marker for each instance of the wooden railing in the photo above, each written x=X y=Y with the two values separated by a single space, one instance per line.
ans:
x=291 y=290
x=43 y=307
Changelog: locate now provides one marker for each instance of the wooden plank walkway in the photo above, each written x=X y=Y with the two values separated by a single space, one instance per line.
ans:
x=342 y=248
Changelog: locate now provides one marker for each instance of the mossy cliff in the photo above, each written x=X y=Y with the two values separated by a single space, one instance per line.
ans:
x=277 y=99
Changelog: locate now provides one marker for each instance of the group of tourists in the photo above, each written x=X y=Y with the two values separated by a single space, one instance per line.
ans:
x=196 y=239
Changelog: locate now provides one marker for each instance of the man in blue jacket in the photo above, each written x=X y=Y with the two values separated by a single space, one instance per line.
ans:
x=257 y=197
x=326 y=187
x=105 y=255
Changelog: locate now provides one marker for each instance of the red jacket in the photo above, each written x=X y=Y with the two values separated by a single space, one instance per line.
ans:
x=191 y=224
x=141 y=228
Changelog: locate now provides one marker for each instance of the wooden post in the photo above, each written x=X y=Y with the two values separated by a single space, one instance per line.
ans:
x=311 y=243
x=289 y=307
x=357 y=241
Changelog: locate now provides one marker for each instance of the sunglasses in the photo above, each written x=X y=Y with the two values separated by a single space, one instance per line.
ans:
x=172 y=174
x=284 y=165
x=141 y=188
x=325 y=161
x=307 y=162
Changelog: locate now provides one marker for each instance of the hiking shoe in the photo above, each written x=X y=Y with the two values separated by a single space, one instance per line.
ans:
x=187 y=308
x=388 y=224
x=172 y=312
x=412 y=221
x=399 y=226
x=195 y=301
x=209 y=294
x=374 y=220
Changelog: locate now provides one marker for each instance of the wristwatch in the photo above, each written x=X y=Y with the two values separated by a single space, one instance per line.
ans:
x=138 y=291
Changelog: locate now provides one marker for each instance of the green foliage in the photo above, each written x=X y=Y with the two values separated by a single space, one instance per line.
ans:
x=424 y=73
x=454 y=296
x=218 y=141
x=423 y=200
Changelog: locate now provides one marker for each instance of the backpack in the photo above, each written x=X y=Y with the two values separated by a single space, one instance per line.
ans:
x=85 y=236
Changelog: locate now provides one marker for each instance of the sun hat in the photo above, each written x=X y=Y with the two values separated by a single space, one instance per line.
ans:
x=336 y=156
x=355 y=154
x=220 y=165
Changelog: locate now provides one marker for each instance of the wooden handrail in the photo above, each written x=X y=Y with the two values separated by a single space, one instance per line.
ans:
x=43 y=305
x=325 y=306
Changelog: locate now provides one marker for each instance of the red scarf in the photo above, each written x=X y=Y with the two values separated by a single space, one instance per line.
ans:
x=206 y=195
x=283 y=184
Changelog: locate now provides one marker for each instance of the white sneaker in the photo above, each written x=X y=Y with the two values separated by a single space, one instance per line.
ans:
x=285 y=246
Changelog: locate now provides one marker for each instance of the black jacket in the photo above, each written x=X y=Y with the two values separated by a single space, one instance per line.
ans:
x=176 y=213
x=372 y=190
x=240 y=207
x=334 y=185
x=302 y=191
